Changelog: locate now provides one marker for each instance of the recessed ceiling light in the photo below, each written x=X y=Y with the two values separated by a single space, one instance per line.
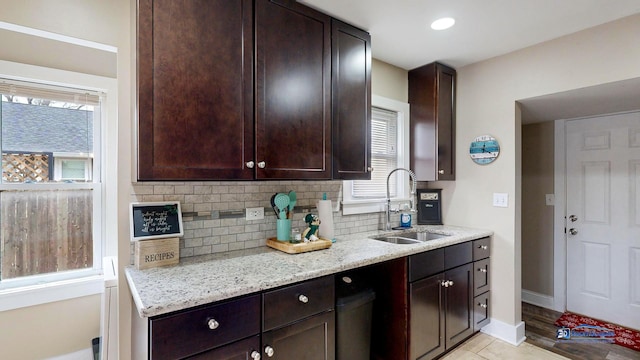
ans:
x=443 y=23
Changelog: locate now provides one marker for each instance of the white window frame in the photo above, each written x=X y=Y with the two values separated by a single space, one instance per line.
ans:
x=58 y=158
x=351 y=205
x=47 y=288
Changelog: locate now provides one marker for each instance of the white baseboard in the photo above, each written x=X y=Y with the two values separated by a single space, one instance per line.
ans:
x=85 y=354
x=534 y=298
x=512 y=334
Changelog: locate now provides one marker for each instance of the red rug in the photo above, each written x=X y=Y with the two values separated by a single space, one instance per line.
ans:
x=623 y=336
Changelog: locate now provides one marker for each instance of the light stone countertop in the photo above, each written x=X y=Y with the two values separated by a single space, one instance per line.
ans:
x=205 y=279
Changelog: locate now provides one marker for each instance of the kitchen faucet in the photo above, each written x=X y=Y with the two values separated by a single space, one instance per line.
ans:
x=413 y=192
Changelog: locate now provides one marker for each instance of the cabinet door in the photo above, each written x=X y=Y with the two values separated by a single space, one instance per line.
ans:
x=293 y=99
x=459 y=304
x=446 y=123
x=426 y=320
x=351 y=102
x=310 y=339
x=240 y=350
x=432 y=99
x=195 y=89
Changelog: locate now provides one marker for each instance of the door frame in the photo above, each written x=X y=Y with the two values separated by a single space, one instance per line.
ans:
x=559 y=213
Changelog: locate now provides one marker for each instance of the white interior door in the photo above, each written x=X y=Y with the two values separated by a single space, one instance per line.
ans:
x=603 y=218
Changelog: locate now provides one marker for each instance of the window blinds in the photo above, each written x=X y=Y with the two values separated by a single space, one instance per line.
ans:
x=384 y=156
x=46 y=92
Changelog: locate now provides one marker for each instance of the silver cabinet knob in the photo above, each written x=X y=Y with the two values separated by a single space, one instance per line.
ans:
x=484 y=306
x=370 y=169
x=441 y=172
x=450 y=283
x=262 y=164
x=303 y=299
x=573 y=218
x=213 y=324
x=483 y=247
x=250 y=164
x=255 y=355
x=482 y=270
x=573 y=231
x=447 y=283
x=269 y=351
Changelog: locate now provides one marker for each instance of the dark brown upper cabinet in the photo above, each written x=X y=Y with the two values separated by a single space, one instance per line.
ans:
x=242 y=89
x=432 y=96
x=293 y=91
x=351 y=102
x=195 y=89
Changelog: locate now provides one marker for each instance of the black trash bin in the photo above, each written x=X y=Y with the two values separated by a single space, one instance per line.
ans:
x=354 y=304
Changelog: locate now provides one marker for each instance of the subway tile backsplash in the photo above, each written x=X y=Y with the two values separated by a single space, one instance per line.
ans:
x=213 y=212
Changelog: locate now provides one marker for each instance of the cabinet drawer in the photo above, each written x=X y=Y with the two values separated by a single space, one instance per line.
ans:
x=426 y=264
x=188 y=333
x=456 y=255
x=481 y=248
x=480 y=311
x=480 y=277
x=295 y=302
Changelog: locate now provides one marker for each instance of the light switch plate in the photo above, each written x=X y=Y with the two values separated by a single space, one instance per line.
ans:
x=550 y=199
x=501 y=199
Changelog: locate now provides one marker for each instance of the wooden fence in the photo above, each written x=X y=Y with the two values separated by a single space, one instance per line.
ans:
x=45 y=231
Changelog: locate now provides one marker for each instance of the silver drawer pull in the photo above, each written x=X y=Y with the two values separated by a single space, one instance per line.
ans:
x=303 y=299
x=483 y=247
x=213 y=324
x=482 y=270
x=484 y=306
x=269 y=351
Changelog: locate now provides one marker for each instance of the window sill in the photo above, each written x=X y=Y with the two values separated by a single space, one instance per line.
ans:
x=353 y=207
x=16 y=298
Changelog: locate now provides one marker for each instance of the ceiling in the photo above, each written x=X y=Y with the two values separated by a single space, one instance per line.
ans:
x=401 y=35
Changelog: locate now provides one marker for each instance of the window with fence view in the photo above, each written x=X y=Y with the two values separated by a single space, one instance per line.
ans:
x=50 y=181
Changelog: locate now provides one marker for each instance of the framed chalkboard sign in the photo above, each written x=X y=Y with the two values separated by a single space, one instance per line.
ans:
x=155 y=220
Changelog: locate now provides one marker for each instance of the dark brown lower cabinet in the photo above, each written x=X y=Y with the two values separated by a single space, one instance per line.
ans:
x=309 y=339
x=240 y=350
x=441 y=312
x=458 y=304
x=427 y=318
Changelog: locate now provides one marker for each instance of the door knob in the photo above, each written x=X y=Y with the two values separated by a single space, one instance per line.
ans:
x=573 y=218
x=573 y=231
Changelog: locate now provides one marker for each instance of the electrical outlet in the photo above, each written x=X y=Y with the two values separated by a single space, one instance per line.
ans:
x=256 y=213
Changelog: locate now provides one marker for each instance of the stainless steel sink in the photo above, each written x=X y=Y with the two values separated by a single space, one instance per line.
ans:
x=410 y=237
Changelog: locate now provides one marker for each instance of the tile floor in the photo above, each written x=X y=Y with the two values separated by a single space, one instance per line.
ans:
x=485 y=347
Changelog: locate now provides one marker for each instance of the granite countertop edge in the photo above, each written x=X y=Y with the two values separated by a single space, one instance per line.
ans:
x=204 y=279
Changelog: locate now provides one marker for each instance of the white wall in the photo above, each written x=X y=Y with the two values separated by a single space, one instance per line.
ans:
x=389 y=81
x=487 y=92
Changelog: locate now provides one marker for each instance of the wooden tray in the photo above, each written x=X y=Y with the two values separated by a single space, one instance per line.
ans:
x=290 y=248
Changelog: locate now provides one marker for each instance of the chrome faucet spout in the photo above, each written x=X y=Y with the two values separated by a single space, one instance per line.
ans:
x=411 y=202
